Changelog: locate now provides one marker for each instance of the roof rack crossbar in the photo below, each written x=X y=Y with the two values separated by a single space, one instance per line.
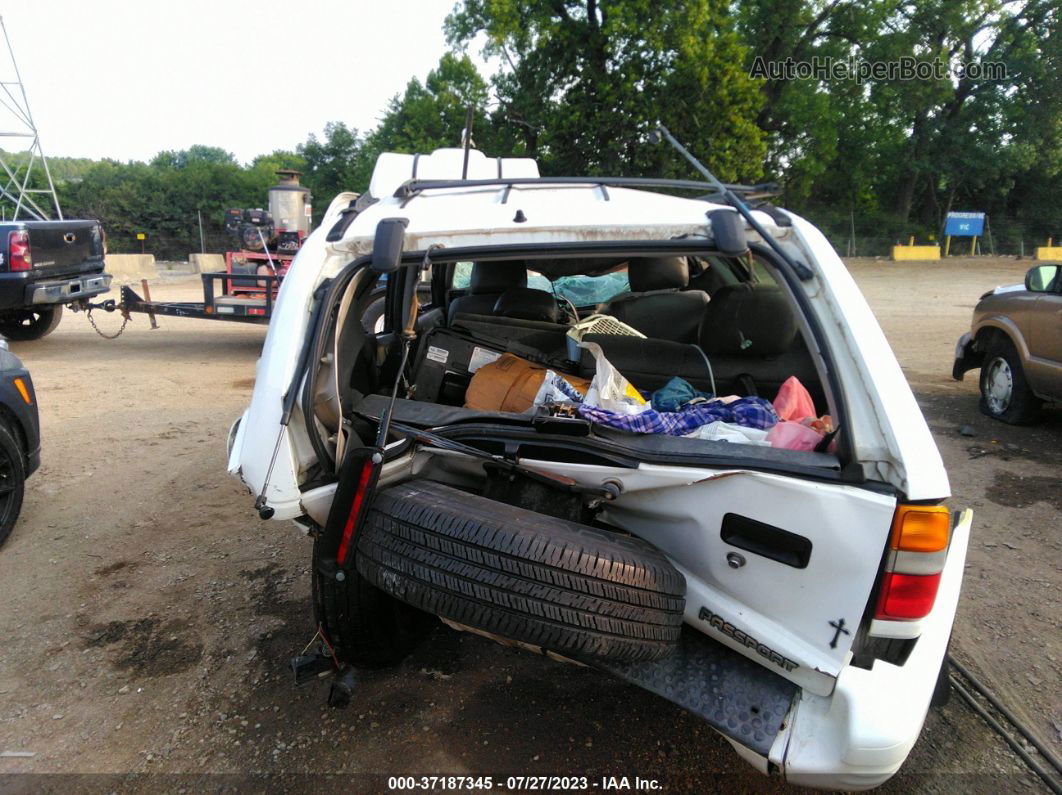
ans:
x=413 y=187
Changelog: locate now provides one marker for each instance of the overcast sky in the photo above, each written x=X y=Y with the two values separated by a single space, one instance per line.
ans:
x=127 y=79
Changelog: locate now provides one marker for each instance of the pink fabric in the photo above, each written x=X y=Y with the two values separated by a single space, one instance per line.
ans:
x=793 y=436
x=794 y=402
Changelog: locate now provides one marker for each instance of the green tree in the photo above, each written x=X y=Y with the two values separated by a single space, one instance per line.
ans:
x=584 y=82
x=330 y=163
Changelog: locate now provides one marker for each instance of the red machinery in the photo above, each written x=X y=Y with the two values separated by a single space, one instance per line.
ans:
x=267 y=241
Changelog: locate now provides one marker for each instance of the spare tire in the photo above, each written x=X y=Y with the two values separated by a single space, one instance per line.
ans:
x=551 y=583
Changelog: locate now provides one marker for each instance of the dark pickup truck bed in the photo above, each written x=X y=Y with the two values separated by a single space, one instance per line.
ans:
x=45 y=265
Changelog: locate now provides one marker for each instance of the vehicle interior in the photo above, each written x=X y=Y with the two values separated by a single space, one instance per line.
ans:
x=734 y=313
x=726 y=325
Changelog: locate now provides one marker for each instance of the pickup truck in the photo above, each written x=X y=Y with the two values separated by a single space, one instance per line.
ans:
x=45 y=265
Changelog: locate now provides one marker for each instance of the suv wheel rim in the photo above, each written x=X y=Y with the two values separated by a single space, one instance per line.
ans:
x=999 y=385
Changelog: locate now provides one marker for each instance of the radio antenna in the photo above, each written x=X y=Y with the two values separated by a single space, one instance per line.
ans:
x=799 y=268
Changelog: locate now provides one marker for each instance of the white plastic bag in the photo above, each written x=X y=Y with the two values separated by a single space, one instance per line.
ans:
x=720 y=431
x=609 y=390
x=554 y=391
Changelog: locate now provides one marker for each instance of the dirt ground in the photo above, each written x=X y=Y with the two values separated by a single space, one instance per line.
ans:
x=149 y=615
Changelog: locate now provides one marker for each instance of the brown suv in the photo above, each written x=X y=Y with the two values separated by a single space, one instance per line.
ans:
x=1016 y=340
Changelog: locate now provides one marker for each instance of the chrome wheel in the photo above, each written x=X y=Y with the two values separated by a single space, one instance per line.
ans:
x=999 y=385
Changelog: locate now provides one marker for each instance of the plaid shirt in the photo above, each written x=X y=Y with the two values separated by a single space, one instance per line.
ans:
x=751 y=412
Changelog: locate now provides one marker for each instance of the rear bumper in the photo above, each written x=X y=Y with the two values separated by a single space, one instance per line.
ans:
x=860 y=735
x=64 y=291
x=24 y=289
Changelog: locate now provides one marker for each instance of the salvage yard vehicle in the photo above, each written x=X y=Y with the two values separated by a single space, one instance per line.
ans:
x=20 y=436
x=1015 y=339
x=587 y=444
x=44 y=266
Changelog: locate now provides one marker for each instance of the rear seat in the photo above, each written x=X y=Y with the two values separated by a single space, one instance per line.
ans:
x=548 y=338
x=749 y=334
x=520 y=314
x=487 y=282
x=659 y=305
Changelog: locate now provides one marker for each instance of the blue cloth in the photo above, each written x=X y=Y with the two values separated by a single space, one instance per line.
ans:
x=675 y=394
x=750 y=412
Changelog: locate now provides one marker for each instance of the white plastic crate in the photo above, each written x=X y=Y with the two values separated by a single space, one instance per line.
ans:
x=597 y=324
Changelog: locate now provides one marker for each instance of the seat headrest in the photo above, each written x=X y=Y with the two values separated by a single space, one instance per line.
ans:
x=497 y=277
x=658 y=273
x=742 y=320
x=525 y=303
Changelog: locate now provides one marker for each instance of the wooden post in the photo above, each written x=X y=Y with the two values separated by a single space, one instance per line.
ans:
x=947 y=245
x=973 y=245
x=147 y=299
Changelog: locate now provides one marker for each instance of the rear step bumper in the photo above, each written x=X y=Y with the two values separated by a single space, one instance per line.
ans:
x=62 y=291
x=739 y=698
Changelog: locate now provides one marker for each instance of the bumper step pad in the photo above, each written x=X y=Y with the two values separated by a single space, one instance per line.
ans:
x=736 y=696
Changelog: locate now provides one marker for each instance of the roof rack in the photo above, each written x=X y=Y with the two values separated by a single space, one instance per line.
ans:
x=413 y=187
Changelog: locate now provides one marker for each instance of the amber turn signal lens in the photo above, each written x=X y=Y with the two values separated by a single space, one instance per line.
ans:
x=921 y=528
x=20 y=385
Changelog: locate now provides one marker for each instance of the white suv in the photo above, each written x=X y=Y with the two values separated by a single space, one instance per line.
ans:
x=618 y=427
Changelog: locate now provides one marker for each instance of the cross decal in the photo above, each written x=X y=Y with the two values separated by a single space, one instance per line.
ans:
x=839 y=626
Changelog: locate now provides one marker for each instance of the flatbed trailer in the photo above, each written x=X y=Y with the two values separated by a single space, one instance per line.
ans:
x=217 y=304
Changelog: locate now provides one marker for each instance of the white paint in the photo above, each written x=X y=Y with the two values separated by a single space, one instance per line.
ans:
x=860 y=736
x=680 y=510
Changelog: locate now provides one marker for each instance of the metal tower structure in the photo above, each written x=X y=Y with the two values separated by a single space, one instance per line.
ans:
x=17 y=165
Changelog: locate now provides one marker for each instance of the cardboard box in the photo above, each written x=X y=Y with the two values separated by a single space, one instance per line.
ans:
x=510 y=384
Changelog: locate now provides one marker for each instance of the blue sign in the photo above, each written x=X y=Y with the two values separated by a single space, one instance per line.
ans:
x=965 y=224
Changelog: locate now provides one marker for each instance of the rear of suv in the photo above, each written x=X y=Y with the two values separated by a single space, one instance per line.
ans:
x=613 y=436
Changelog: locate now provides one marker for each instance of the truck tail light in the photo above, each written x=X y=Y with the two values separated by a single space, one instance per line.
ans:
x=918 y=547
x=18 y=247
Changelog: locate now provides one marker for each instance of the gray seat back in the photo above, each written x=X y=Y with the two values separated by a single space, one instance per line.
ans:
x=486 y=284
x=658 y=304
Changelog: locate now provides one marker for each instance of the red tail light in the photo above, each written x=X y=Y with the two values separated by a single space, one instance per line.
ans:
x=355 y=510
x=18 y=247
x=918 y=550
x=907 y=596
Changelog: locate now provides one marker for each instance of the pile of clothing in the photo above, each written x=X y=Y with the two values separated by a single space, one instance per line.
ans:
x=678 y=409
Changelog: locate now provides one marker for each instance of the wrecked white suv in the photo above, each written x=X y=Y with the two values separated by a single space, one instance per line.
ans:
x=645 y=433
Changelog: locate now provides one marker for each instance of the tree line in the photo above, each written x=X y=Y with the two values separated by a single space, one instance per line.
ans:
x=580 y=84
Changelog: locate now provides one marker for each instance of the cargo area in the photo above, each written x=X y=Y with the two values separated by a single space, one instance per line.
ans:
x=701 y=347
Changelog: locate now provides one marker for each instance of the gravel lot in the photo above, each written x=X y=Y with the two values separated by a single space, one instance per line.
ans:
x=149 y=615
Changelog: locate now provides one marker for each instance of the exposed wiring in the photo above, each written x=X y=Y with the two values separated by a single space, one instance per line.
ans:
x=324 y=640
